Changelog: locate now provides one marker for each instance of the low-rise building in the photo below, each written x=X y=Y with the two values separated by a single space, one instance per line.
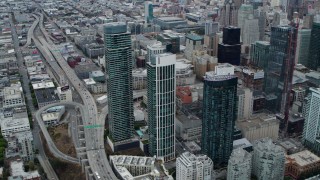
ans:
x=259 y=126
x=52 y=118
x=188 y=127
x=302 y=163
x=17 y=172
x=139 y=79
x=46 y=96
x=13 y=125
x=65 y=94
x=12 y=97
x=97 y=76
x=190 y=167
x=137 y=168
x=184 y=73
x=20 y=144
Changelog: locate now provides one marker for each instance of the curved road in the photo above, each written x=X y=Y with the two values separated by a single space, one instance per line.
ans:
x=53 y=149
x=31 y=30
x=93 y=136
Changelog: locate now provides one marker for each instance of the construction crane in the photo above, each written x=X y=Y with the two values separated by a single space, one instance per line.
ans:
x=289 y=68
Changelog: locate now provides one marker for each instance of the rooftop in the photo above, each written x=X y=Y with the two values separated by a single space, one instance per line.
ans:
x=258 y=120
x=17 y=169
x=42 y=85
x=304 y=158
x=14 y=123
x=46 y=95
x=133 y=160
x=194 y=37
x=170 y=18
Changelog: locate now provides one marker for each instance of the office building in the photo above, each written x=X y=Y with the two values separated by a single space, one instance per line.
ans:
x=148 y=11
x=65 y=94
x=314 y=50
x=211 y=27
x=219 y=113
x=279 y=72
x=161 y=86
x=245 y=103
x=250 y=31
x=211 y=42
x=303 y=42
x=311 y=128
x=259 y=126
x=230 y=49
x=190 y=167
x=259 y=54
x=154 y=49
x=194 y=42
x=169 y=22
x=300 y=164
x=244 y=12
x=229 y=13
x=239 y=165
x=268 y=160
x=119 y=81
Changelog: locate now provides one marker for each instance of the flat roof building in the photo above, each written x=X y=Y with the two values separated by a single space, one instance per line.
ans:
x=301 y=163
x=13 y=125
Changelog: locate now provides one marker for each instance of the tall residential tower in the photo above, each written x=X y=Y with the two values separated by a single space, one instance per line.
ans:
x=219 y=113
x=161 y=86
x=119 y=80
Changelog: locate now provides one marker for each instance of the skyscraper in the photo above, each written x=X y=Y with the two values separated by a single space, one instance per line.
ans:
x=303 y=42
x=219 y=113
x=190 y=167
x=239 y=165
x=278 y=76
x=230 y=49
x=311 y=113
x=148 y=11
x=211 y=27
x=244 y=12
x=161 y=86
x=268 y=160
x=259 y=54
x=314 y=50
x=119 y=80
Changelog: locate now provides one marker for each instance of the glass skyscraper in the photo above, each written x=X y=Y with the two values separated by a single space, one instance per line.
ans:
x=161 y=86
x=279 y=72
x=230 y=49
x=314 y=48
x=118 y=58
x=219 y=113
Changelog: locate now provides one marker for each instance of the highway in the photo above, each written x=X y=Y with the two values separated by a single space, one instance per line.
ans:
x=100 y=167
x=53 y=149
x=31 y=30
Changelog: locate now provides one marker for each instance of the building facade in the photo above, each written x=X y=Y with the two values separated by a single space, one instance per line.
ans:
x=259 y=54
x=303 y=44
x=219 y=113
x=190 y=167
x=161 y=93
x=279 y=73
x=239 y=165
x=230 y=49
x=311 y=113
x=268 y=160
x=314 y=50
x=118 y=58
